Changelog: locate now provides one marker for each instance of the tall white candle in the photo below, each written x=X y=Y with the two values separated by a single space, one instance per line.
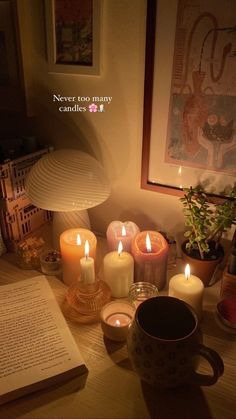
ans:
x=87 y=272
x=118 y=272
x=188 y=288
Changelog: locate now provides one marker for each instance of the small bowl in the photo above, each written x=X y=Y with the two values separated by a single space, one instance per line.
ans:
x=226 y=310
x=116 y=318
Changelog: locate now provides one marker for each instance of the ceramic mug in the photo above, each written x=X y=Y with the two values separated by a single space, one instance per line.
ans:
x=164 y=343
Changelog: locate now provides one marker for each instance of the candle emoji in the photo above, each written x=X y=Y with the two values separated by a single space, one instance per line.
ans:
x=87 y=272
x=118 y=272
x=188 y=288
x=124 y=232
x=72 y=243
x=150 y=252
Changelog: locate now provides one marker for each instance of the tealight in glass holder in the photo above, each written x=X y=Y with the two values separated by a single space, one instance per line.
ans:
x=141 y=291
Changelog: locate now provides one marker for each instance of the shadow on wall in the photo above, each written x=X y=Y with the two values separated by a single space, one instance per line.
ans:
x=60 y=129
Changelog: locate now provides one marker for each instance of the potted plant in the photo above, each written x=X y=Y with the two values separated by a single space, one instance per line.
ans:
x=206 y=222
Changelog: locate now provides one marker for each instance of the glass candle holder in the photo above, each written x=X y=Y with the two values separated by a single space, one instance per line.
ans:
x=141 y=291
x=84 y=301
x=50 y=262
x=29 y=251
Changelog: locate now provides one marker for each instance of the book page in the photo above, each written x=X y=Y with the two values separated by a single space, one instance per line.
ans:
x=35 y=341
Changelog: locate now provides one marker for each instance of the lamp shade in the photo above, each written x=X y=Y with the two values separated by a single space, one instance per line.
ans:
x=67 y=180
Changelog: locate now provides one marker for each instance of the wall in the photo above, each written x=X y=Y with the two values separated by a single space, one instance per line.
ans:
x=113 y=137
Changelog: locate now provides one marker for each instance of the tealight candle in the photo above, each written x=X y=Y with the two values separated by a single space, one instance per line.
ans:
x=124 y=232
x=150 y=252
x=188 y=288
x=72 y=244
x=118 y=272
x=116 y=318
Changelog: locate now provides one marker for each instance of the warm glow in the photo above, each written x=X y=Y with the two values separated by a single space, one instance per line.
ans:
x=86 y=249
x=78 y=239
x=180 y=175
x=123 y=231
x=117 y=323
x=148 y=243
x=187 y=271
x=120 y=248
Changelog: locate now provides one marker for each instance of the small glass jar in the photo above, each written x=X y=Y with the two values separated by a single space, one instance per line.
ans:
x=29 y=251
x=50 y=261
x=141 y=291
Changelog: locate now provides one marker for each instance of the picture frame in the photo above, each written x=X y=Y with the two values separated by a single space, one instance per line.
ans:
x=73 y=32
x=11 y=72
x=159 y=172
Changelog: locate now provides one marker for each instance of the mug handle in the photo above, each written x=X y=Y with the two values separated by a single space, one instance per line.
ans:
x=215 y=362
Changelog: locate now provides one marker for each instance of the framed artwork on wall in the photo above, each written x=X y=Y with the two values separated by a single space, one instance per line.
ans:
x=73 y=36
x=11 y=83
x=189 y=123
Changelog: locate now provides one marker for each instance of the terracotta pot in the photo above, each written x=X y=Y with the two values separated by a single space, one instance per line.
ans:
x=203 y=268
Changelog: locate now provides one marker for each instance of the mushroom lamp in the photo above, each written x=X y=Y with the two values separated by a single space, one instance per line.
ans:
x=68 y=182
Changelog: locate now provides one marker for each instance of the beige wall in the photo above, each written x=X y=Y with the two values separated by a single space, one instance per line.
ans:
x=113 y=137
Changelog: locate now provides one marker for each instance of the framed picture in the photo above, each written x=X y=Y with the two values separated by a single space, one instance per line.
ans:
x=189 y=123
x=11 y=85
x=73 y=36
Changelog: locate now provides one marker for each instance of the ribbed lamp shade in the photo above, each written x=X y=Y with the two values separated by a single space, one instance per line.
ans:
x=69 y=182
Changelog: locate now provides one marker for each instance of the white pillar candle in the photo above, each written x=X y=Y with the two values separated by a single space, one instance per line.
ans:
x=87 y=272
x=188 y=288
x=118 y=272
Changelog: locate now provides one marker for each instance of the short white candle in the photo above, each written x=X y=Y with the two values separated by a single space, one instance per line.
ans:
x=188 y=288
x=118 y=272
x=116 y=318
x=87 y=273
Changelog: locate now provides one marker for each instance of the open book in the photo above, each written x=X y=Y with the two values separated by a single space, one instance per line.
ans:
x=37 y=348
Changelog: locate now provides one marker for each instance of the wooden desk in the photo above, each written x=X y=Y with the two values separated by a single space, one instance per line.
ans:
x=112 y=389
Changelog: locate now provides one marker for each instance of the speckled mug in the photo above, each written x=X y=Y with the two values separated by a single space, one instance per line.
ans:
x=164 y=342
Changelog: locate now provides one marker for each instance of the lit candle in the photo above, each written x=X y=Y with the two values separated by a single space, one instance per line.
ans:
x=118 y=272
x=124 y=232
x=116 y=318
x=87 y=272
x=150 y=252
x=188 y=288
x=72 y=243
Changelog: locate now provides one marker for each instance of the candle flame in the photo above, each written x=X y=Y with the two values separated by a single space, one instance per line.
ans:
x=148 y=243
x=120 y=248
x=187 y=271
x=78 y=240
x=86 y=249
x=117 y=323
x=180 y=171
x=123 y=231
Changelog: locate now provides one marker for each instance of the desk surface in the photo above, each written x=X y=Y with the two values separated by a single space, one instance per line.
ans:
x=112 y=389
